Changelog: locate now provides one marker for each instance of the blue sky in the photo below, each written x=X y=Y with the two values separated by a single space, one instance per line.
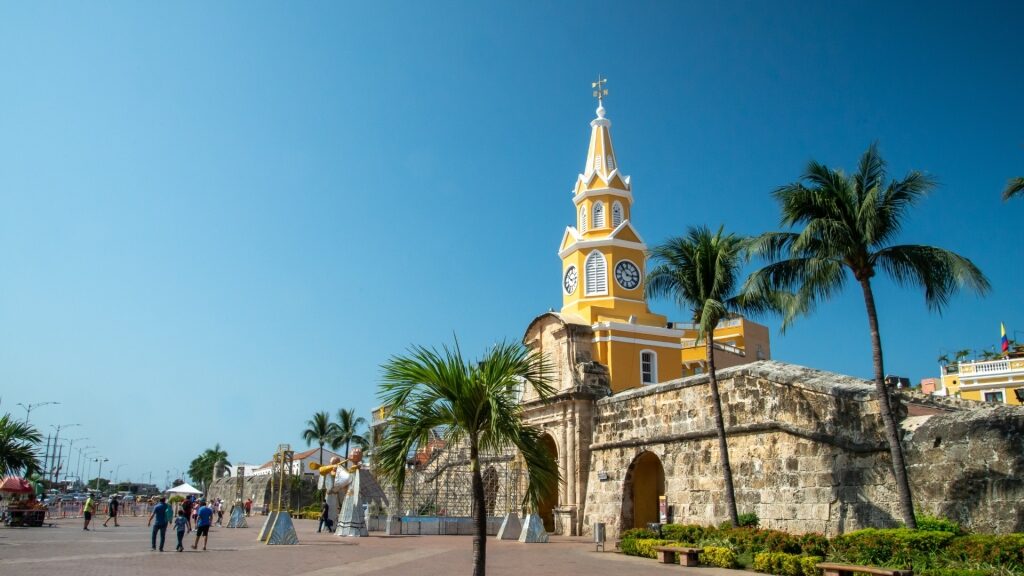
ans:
x=219 y=218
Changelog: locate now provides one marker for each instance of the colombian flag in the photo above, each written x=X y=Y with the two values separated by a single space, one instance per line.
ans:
x=1003 y=341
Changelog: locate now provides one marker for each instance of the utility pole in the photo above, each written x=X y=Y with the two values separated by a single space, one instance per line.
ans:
x=99 y=472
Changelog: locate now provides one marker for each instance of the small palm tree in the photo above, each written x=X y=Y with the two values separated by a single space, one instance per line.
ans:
x=18 y=447
x=346 y=430
x=1014 y=187
x=319 y=429
x=476 y=402
x=700 y=273
x=849 y=224
x=203 y=469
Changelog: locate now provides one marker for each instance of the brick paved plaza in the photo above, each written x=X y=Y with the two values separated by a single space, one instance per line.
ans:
x=66 y=549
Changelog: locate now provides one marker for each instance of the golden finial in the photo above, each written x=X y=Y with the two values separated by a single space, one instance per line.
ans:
x=599 y=90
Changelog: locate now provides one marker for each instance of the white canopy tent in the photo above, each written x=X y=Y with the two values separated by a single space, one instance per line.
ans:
x=185 y=488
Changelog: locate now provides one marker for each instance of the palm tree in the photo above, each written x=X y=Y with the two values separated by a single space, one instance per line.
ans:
x=18 y=447
x=1014 y=187
x=962 y=355
x=849 y=224
x=346 y=430
x=477 y=402
x=700 y=273
x=204 y=467
x=320 y=430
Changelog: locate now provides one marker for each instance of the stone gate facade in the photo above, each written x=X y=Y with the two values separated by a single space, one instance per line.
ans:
x=806 y=447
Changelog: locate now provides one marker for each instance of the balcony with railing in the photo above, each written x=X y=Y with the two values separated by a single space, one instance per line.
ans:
x=990 y=369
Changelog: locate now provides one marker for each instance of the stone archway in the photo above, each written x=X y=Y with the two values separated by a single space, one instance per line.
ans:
x=645 y=482
x=490 y=478
x=548 y=503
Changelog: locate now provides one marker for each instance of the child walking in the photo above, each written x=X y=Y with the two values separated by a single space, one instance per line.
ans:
x=180 y=524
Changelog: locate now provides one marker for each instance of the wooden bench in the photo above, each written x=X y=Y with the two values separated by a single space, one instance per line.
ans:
x=849 y=569
x=687 y=556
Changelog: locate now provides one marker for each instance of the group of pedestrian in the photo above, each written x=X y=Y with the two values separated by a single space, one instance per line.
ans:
x=161 y=518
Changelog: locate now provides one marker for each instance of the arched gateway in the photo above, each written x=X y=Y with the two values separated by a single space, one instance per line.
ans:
x=550 y=500
x=645 y=482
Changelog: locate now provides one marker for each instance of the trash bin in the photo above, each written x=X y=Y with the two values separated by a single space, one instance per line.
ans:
x=654 y=527
x=599 y=536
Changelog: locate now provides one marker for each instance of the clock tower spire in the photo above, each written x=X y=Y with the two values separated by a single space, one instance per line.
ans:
x=603 y=268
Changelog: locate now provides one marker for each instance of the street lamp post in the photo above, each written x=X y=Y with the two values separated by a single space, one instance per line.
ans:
x=99 y=472
x=117 y=473
x=28 y=407
x=83 y=453
x=71 y=445
x=53 y=472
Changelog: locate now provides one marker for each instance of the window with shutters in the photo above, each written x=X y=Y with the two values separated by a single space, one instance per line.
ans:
x=599 y=215
x=597 y=274
x=648 y=367
x=583 y=219
x=597 y=162
x=616 y=214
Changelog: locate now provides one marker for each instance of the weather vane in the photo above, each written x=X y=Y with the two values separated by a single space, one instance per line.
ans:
x=599 y=90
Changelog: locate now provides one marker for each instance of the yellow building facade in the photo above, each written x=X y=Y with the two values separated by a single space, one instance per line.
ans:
x=603 y=274
x=994 y=381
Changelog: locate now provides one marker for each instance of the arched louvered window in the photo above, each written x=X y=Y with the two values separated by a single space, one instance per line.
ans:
x=616 y=214
x=583 y=219
x=648 y=367
x=599 y=215
x=597 y=162
x=596 y=274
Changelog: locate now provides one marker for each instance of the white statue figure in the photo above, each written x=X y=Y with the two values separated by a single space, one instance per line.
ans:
x=352 y=520
x=333 y=491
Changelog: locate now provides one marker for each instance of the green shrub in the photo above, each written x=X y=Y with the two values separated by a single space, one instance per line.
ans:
x=715 y=556
x=809 y=565
x=894 y=547
x=778 y=563
x=643 y=547
x=930 y=523
x=634 y=533
x=757 y=540
x=958 y=572
x=684 y=532
x=749 y=519
x=999 y=550
x=813 y=544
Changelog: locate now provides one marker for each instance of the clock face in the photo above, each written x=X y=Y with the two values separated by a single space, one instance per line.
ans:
x=570 y=280
x=627 y=274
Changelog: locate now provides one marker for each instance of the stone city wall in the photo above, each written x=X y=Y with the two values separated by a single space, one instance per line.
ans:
x=807 y=454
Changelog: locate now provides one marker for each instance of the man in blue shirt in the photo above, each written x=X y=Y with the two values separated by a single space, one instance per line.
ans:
x=204 y=517
x=160 y=514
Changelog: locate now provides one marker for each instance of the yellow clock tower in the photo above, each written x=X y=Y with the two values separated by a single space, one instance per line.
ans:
x=603 y=259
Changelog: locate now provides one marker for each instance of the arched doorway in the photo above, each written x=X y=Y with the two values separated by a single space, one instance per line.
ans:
x=549 y=501
x=645 y=482
x=490 y=478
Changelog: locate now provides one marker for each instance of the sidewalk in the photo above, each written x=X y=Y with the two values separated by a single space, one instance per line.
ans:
x=66 y=548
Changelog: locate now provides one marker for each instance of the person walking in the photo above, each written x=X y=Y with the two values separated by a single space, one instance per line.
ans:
x=158 y=518
x=180 y=523
x=186 y=505
x=204 y=518
x=87 y=510
x=112 y=508
x=248 y=506
x=325 y=518
x=218 y=507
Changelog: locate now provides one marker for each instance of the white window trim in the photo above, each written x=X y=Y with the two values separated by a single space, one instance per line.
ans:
x=587 y=289
x=617 y=208
x=654 y=367
x=598 y=211
x=583 y=219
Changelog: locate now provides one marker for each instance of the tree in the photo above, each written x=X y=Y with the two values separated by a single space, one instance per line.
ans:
x=477 y=402
x=1014 y=187
x=700 y=272
x=18 y=447
x=320 y=430
x=203 y=468
x=849 y=224
x=346 y=430
x=962 y=355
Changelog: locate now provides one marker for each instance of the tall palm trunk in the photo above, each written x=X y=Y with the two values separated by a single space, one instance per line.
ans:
x=321 y=453
x=723 y=446
x=479 y=513
x=892 y=435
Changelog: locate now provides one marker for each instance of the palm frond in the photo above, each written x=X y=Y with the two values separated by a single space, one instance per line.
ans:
x=1014 y=187
x=939 y=272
